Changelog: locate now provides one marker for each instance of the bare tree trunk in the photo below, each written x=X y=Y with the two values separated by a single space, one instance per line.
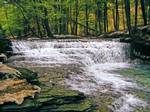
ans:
x=127 y=10
x=86 y=20
x=148 y=12
x=114 y=19
x=105 y=16
x=96 y=22
x=76 y=14
x=37 y=19
x=136 y=14
x=123 y=16
x=143 y=11
x=46 y=23
x=99 y=16
x=117 y=16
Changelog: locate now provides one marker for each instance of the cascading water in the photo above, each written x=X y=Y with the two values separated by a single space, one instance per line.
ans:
x=72 y=52
x=96 y=59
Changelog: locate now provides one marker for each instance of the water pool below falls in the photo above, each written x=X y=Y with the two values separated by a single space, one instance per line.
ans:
x=97 y=62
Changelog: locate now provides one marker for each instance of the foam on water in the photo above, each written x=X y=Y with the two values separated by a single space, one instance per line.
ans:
x=101 y=74
x=62 y=52
x=96 y=59
x=128 y=103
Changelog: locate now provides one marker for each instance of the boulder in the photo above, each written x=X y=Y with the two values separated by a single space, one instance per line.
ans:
x=141 y=49
x=116 y=34
x=53 y=100
x=5 y=45
x=29 y=75
x=3 y=57
x=16 y=90
x=8 y=72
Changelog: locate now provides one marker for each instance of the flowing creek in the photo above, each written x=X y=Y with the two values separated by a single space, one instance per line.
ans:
x=102 y=69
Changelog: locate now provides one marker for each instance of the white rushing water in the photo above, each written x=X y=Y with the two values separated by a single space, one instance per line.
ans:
x=96 y=59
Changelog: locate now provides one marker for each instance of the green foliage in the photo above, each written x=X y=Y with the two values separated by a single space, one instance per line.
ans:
x=27 y=17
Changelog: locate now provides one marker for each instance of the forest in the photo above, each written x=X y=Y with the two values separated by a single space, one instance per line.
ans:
x=45 y=18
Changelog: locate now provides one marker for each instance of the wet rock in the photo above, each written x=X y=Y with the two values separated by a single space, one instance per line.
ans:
x=50 y=99
x=145 y=30
x=141 y=49
x=117 y=34
x=53 y=100
x=3 y=57
x=8 y=72
x=16 y=91
x=66 y=36
x=5 y=45
x=126 y=40
x=29 y=75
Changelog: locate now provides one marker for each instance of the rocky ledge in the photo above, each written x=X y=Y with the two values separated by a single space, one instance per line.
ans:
x=5 y=49
x=141 y=49
x=21 y=90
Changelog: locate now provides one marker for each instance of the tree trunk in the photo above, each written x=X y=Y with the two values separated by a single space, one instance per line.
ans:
x=128 y=19
x=136 y=14
x=86 y=20
x=76 y=14
x=99 y=16
x=117 y=16
x=46 y=23
x=114 y=19
x=37 y=20
x=105 y=16
x=143 y=11
x=70 y=20
x=123 y=16
x=96 y=18
x=149 y=12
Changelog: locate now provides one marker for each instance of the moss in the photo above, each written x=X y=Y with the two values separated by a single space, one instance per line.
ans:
x=59 y=91
x=54 y=93
x=102 y=104
x=30 y=76
x=76 y=107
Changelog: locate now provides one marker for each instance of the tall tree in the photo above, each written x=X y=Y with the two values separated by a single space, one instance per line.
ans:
x=86 y=19
x=117 y=16
x=149 y=12
x=46 y=23
x=76 y=15
x=143 y=11
x=105 y=16
x=136 y=13
x=98 y=3
x=128 y=18
x=123 y=16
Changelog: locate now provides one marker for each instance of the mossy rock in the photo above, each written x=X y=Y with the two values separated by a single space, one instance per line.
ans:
x=52 y=100
x=27 y=106
x=5 y=45
x=29 y=75
x=7 y=72
x=84 y=106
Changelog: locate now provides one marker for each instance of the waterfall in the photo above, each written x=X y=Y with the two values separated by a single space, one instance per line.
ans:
x=72 y=52
x=96 y=59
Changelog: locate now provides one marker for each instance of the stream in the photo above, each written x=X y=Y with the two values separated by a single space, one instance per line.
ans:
x=99 y=69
